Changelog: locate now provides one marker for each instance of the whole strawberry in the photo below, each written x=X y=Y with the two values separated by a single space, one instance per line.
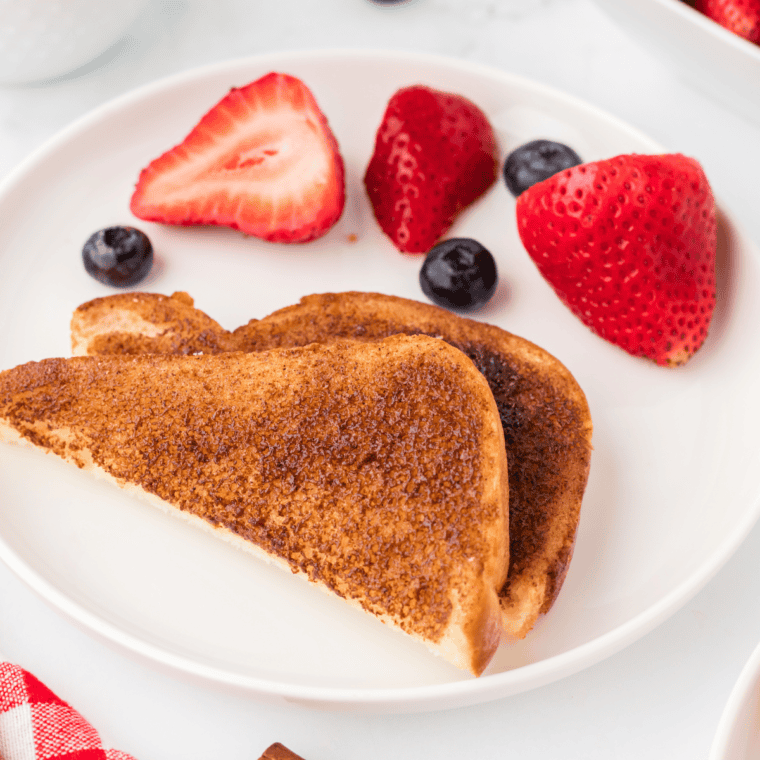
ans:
x=263 y=160
x=741 y=17
x=629 y=245
x=435 y=154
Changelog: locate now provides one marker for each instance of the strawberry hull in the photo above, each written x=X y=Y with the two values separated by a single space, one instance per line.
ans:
x=629 y=244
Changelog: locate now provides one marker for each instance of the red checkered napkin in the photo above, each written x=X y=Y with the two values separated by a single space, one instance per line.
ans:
x=37 y=725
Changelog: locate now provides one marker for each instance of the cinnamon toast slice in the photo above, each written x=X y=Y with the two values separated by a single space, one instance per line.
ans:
x=544 y=413
x=376 y=470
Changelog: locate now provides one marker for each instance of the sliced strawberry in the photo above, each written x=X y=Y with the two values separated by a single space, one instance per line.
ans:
x=263 y=161
x=435 y=154
x=629 y=246
x=741 y=17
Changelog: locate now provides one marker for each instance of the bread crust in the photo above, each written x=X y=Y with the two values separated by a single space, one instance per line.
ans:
x=544 y=412
x=279 y=751
x=375 y=470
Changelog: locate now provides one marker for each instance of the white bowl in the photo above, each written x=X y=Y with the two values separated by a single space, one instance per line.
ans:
x=738 y=734
x=42 y=39
x=715 y=60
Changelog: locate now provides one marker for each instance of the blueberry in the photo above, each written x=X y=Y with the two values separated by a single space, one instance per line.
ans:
x=458 y=273
x=118 y=256
x=536 y=161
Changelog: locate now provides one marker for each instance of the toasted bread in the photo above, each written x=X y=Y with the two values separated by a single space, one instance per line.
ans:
x=142 y=323
x=279 y=751
x=544 y=413
x=377 y=470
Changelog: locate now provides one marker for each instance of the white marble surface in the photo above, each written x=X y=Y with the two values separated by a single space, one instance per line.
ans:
x=661 y=697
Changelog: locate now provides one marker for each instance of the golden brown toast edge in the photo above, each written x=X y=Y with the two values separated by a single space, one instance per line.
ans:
x=544 y=413
x=279 y=751
x=143 y=323
x=94 y=412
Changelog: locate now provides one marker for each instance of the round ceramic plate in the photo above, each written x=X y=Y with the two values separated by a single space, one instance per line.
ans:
x=674 y=479
x=738 y=734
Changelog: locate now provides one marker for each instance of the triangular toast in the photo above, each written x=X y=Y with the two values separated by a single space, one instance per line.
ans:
x=377 y=470
x=544 y=413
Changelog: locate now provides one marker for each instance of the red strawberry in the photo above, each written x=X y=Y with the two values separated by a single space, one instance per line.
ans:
x=629 y=245
x=741 y=17
x=263 y=160
x=435 y=153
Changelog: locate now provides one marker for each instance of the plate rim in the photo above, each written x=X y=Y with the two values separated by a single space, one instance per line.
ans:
x=705 y=24
x=747 y=680
x=145 y=90
x=396 y=699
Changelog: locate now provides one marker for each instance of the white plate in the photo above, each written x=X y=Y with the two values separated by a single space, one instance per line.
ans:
x=738 y=734
x=674 y=480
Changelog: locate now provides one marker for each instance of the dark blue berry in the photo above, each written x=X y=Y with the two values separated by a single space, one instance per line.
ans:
x=536 y=161
x=118 y=256
x=459 y=274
